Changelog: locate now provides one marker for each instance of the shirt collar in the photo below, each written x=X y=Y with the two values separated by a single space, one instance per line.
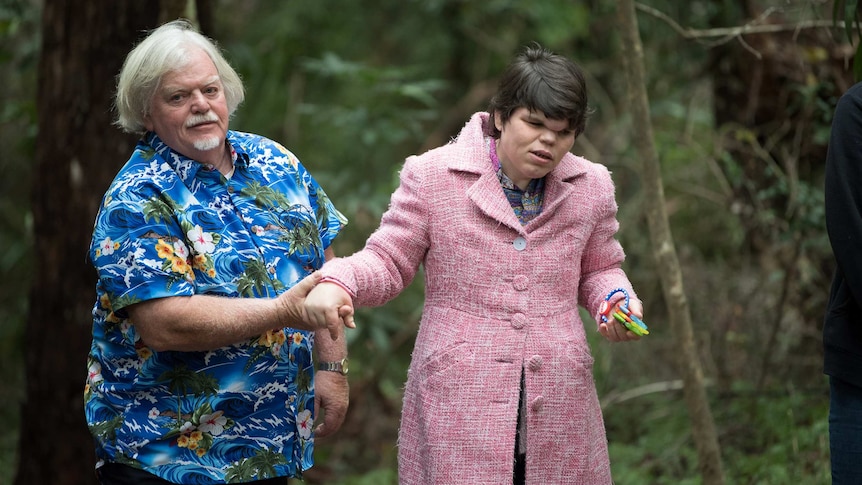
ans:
x=185 y=167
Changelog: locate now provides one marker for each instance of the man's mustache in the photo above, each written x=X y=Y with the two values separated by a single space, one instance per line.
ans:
x=195 y=120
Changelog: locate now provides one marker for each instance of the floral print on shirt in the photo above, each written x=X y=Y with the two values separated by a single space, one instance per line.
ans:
x=170 y=226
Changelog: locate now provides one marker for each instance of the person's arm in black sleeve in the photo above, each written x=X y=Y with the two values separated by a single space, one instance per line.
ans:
x=844 y=188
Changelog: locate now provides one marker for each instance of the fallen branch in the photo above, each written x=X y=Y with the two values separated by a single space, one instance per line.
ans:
x=616 y=397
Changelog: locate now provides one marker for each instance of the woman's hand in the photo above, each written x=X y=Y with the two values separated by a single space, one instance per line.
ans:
x=614 y=331
x=328 y=305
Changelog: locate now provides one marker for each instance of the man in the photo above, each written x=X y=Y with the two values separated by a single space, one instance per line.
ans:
x=200 y=369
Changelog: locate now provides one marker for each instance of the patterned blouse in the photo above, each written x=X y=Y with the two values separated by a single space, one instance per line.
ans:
x=527 y=204
x=170 y=226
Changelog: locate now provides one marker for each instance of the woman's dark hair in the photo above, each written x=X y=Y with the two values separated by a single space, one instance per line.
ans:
x=540 y=80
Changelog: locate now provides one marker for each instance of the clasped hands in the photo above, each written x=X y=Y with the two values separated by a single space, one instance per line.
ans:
x=314 y=305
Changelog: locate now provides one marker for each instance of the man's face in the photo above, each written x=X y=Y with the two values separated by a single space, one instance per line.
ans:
x=189 y=111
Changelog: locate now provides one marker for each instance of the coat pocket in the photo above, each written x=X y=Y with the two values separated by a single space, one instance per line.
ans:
x=449 y=359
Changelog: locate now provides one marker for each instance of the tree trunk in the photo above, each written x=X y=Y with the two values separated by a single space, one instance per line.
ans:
x=77 y=153
x=703 y=426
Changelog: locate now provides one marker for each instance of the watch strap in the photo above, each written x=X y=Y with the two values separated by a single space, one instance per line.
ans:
x=338 y=366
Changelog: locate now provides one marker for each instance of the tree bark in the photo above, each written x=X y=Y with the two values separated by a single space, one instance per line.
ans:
x=77 y=153
x=703 y=425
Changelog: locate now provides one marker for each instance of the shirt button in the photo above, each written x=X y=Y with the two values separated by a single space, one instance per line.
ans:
x=519 y=320
x=535 y=363
x=520 y=282
x=520 y=243
x=230 y=189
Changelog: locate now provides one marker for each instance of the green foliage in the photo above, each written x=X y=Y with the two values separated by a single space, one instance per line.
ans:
x=848 y=12
x=380 y=476
x=766 y=438
x=19 y=43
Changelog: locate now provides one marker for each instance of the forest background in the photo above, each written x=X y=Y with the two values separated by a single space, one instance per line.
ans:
x=741 y=97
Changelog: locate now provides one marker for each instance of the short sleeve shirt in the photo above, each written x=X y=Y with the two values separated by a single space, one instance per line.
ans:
x=170 y=226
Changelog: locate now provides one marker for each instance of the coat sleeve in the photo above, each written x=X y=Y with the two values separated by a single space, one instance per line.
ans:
x=392 y=255
x=603 y=255
x=844 y=189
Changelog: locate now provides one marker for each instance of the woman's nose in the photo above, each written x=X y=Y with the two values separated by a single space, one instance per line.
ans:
x=548 y=136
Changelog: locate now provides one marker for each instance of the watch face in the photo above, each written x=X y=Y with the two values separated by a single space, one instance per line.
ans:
x=344 y=367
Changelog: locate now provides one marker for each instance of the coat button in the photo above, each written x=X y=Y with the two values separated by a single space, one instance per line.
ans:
x=520 y=282
x=535 y=363
x=538 y=403
x=519 y=320
x=520 y=243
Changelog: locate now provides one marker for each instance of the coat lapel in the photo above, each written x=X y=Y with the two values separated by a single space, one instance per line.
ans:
x=473 y=157
x=559 y=186
x=488 y=196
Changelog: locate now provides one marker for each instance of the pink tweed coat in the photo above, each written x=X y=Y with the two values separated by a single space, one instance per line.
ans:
x=499 y=297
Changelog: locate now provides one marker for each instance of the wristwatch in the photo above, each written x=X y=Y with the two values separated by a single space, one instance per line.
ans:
x=340 y=366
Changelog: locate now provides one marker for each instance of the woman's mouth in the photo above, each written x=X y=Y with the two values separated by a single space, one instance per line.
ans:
x=543 y=155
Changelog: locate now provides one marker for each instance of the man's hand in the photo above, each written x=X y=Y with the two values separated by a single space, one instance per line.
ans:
x=331 y=396
x=291 y=304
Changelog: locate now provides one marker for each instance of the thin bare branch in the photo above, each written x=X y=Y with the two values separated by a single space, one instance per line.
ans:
x=748 y=47
x=728 y=33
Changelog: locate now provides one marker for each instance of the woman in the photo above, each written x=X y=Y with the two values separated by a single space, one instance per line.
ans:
x=513 y=232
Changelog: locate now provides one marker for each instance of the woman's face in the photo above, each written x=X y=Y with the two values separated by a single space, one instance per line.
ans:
x=531 y=145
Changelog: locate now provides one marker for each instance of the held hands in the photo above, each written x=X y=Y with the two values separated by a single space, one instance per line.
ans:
x=328 y=305
x=293 y=308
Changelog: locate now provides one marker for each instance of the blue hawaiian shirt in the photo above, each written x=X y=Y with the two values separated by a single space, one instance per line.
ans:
x=170 y=226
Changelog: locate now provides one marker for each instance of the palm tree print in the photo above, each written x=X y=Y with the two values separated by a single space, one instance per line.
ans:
x=161 y=209
x=256 y=277
x=265 y=197
x=260 y=465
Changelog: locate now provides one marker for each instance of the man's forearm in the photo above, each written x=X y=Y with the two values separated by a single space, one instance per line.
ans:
x=206 y=322
x=327 y=349
x=202 y=322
